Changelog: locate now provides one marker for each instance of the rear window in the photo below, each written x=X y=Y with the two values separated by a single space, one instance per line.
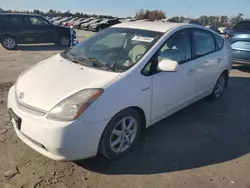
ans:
x=242 y=26
x=219 y=42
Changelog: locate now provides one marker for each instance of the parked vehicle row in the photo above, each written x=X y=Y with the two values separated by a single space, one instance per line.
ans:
x=91 y=24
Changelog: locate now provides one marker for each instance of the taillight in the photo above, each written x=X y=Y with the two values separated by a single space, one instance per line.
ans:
x=227 y=36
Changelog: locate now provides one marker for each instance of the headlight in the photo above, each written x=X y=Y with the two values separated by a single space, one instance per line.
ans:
x=72 y=107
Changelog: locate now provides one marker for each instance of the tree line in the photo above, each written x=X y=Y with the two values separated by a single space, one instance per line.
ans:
x=219 y=21
x=54 y=13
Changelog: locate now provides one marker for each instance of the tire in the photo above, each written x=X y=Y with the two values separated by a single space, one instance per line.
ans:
x=64 y=41
x=123 y=141
x=9 y=42
x=219 y=87
x=100 y=29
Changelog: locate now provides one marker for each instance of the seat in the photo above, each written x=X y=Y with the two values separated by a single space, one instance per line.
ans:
x=136 y=51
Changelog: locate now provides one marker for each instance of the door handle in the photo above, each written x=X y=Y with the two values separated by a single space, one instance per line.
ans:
x=190 y=72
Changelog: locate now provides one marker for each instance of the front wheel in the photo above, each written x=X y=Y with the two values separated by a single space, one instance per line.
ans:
x=219 y=87
x=9 y=42
x=121 y=134
x=64 y=41
x=100 y=29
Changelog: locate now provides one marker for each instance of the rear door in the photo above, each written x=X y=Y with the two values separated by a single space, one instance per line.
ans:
x=13 y=25
x=207 y=60
x=39 y=30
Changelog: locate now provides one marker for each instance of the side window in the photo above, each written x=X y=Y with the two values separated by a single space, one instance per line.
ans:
x=219 y=42
x=37 y=21
x=177 y=47
x=15 y=20
x=204 y=42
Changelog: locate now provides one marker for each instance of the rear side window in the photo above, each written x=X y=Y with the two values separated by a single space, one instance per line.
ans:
x=204 y=42
x=242 y=26
x=219 y=42
x=13 y=20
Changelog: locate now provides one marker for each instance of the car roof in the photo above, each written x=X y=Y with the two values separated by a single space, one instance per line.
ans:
x=18 y=14
x=148 y=25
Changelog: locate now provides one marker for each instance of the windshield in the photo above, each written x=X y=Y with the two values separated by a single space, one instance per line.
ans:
x=113 y=49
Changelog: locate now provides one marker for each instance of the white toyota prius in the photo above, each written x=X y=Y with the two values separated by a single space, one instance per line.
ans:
x=99 y=96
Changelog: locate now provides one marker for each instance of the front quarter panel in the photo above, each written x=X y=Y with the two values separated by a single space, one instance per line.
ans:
x=133 y=90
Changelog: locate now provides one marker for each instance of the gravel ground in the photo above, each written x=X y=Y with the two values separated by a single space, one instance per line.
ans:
x=205 y=145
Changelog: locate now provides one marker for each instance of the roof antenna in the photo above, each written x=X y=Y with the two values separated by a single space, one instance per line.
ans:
x=188 y=12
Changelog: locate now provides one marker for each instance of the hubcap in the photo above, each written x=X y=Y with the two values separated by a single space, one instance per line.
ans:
x=64 y=41
x=9 y=43
x=123 y=135
x=220 y=85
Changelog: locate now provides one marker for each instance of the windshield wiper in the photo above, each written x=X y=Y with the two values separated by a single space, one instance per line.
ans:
x=100 y=63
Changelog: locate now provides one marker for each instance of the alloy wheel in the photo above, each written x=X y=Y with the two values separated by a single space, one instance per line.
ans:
x=9 y=43
x=64 y=41
x=220 y=85
x=123 y=135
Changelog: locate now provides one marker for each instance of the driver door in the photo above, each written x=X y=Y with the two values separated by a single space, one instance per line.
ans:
x=173 y=90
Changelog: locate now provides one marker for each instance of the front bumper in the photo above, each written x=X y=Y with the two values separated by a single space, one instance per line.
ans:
x=60 y=141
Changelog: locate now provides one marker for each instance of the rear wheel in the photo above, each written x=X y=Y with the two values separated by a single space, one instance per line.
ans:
x=219 y=87
x=121 y=134
x=9 y=42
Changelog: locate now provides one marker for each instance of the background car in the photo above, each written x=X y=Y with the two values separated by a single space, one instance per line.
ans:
x=86 y=25
x=65 y=23
x=103 y=24
x=223 y=30
x=214 y=28
x=77 y=24
x=71 y=23
x=239 y=38
x=191 y=21
x=31 y=29
x=59 y=22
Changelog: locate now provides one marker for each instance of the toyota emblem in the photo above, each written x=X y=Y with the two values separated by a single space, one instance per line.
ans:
x=21 y=95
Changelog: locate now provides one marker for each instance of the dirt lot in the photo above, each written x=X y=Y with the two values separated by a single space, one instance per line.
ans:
x=205 y=145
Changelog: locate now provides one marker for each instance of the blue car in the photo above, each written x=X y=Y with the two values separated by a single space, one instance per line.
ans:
x=239 y=37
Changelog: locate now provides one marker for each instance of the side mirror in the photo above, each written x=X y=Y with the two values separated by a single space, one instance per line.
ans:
x=168 y=65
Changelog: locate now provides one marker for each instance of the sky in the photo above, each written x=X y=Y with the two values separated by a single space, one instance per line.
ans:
x=129 y=7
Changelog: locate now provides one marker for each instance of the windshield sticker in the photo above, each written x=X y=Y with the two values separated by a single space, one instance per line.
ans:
x=142 y=39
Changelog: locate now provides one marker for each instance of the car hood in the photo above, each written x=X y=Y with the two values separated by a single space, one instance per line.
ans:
x=49 y=82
